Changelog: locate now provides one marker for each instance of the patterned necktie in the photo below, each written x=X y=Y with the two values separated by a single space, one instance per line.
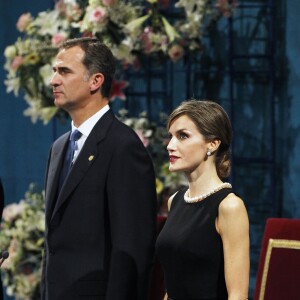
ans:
x=74 y=137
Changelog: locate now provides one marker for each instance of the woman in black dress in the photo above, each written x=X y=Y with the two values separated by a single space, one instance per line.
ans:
x=204 y=245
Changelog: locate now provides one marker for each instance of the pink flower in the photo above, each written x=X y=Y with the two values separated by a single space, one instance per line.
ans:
x=135 y=63
x=109 y=2
x=98 y=15
x=17 y=62
x=146 y=39
x=87 y=34
x=176 y=52
x=60 y=6
x=24 y=21
x=117 y=90
x=144 y=140
x=58 y=38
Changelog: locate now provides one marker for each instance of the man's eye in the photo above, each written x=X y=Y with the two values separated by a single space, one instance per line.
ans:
x=63 y=71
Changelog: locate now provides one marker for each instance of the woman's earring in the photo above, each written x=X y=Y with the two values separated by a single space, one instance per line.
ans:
x=208 y=152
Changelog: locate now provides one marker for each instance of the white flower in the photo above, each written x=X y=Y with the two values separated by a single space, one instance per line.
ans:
x=134 y=26
x=36 y=111
x=49 y=23
x=128 y=122
x=195 y=11
x=124 y=51
x=24 y=21
x=12 y=85
x=12 y=211
x=46 y=73
x=70 y=2
x=10 y=52
x=142 y=122
x=170 y=30
x=27 y=46
x=47 y=113
x=94 y=2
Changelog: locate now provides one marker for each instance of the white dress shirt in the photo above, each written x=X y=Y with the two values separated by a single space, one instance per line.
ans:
x=86 y=127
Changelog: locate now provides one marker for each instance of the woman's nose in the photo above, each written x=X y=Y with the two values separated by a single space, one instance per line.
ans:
x=171 y=144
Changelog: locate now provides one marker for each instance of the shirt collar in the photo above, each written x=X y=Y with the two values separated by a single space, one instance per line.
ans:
x=86 y=127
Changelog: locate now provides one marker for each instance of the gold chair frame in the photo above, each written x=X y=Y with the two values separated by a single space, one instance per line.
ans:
x=274 y=243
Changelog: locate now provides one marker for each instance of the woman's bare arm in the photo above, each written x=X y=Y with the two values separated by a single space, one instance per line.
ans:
x=233 y=226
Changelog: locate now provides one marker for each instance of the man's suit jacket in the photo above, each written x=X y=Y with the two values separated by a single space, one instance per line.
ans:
x=1 y=210
x=100 y=227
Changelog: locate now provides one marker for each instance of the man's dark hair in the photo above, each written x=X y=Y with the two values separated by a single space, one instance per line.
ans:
x=97 y=59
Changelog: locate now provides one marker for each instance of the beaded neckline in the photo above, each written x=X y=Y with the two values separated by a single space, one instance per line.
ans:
x=199 y=198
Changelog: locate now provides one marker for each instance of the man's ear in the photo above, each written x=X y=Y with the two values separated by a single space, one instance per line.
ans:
x=96 y=81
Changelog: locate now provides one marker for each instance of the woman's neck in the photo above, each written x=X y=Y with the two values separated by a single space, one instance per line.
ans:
x=201 y=183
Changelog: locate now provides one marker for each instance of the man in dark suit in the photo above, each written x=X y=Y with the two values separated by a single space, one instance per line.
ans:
x=1 y=210
x=100 y=219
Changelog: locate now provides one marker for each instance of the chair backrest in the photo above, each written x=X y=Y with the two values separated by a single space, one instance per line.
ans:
x=278 y=276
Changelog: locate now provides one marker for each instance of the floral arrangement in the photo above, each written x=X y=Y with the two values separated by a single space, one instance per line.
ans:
x=22 y=235
x=130 y=28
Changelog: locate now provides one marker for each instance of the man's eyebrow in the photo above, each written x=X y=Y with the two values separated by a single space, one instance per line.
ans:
x=61 y=69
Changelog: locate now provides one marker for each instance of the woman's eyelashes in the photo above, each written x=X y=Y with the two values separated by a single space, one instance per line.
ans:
x=182 y=135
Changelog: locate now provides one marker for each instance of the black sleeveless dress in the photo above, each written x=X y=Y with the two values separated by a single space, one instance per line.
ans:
x=190 y=249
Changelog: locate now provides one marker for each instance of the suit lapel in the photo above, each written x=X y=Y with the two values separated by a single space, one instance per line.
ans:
x=85 y=159
x=53 y=174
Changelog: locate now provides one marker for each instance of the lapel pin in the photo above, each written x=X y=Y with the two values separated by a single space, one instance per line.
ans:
x=91 y=157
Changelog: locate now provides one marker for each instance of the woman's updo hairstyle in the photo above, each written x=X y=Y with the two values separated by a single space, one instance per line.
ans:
x=213 y=123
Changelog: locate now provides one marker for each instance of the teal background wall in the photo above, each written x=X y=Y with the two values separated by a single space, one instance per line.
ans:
x=23 y=145
x=289 y=138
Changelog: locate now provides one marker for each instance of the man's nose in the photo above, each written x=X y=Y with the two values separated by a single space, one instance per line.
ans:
x=54 y=80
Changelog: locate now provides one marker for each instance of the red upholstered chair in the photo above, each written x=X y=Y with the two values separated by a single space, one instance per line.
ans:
x=278 y=276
